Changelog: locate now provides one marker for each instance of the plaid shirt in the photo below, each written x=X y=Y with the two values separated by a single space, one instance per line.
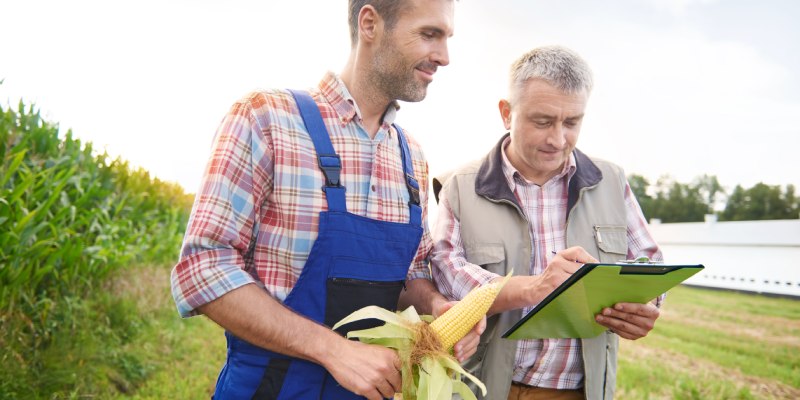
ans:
x=548 y=363
x=255 y=217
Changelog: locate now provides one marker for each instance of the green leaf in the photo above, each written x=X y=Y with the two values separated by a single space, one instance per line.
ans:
x=392 y=343
x=383 y=331
x=410 y=314
x=423 y=389
x=463 y=390
x=451 y=363
x=439 y=381
x=12 y=167
x=374 y=312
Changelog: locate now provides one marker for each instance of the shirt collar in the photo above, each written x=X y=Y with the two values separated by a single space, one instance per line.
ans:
x=514 y=177
x=333 y=89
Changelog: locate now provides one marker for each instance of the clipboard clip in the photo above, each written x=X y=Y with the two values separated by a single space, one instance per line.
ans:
x=640 y=260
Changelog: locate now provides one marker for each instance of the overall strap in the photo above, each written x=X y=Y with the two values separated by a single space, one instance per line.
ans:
x=414 y=208
x=327 y=159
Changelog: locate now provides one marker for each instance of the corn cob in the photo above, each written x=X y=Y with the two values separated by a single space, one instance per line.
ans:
x=456 y=322
x=429 y=371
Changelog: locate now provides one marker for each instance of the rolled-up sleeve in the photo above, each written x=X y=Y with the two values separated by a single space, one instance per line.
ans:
x=640 y=241
x=453 y=275
x=220 y=229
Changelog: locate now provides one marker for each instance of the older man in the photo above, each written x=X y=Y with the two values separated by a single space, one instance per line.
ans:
x=532 y=196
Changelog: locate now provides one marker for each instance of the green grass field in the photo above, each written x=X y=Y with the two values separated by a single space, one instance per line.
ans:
x=707 y=345
x=711 y=344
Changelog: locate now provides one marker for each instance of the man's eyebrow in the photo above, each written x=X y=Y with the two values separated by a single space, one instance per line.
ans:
x=432 y=29
x=540 y=115
x=437 y=29
x=579 y=116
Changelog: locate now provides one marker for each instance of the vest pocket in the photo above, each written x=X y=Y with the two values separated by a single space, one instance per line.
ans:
x=612 y=239
x=490 y=256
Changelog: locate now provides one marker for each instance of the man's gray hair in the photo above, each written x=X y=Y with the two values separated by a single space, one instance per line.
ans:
x=556 y=65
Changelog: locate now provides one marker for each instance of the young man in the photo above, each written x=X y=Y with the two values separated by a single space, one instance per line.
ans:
x=312 y=207
x=535 y=195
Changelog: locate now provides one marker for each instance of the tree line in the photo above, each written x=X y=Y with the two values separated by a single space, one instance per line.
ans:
x=672 y=201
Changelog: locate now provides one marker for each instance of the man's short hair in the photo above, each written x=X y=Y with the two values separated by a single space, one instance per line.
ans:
x=556 y=65
x=389 y=10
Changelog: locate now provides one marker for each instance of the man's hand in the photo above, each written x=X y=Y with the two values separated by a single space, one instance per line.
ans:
x=467 y=346
x=629 y=320
x=563 y=265
x=367 y=370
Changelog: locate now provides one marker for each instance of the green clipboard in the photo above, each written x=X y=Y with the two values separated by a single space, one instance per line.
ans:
x=568 y=312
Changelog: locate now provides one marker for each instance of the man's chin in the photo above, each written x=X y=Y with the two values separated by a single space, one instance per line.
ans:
x=416 y=96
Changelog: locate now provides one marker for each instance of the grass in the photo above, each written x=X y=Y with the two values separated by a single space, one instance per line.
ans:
x=707 y=345
x=711 y=344
x=183 y=356
x=125 y=341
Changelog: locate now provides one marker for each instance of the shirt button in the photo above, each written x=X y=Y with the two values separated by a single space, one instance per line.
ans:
x=373 y=188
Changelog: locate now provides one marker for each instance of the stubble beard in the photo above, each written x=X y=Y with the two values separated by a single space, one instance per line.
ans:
x=394 y=78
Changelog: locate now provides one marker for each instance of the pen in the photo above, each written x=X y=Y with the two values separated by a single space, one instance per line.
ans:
x=554 y=253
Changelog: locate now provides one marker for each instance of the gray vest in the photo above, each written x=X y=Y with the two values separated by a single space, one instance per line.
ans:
x=495 y=235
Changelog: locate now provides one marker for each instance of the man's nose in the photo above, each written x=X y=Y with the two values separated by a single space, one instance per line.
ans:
x=557 y=136
x=441 y=56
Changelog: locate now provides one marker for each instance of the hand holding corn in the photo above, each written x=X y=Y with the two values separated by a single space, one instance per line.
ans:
x=429 y=370
x=468 y=345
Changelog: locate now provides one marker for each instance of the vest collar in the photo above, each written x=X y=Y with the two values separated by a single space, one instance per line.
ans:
x=491 y=183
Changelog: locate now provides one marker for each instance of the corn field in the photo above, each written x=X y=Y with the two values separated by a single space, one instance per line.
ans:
x=69 y=217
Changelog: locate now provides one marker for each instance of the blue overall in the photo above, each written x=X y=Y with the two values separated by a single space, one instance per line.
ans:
x=354 y=262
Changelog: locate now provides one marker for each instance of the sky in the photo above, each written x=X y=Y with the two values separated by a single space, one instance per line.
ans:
x=682 y=88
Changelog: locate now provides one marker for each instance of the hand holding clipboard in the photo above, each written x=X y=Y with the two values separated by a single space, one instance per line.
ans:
x=569 y=311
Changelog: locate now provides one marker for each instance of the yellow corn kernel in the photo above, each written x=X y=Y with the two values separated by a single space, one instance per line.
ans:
x=456 y=322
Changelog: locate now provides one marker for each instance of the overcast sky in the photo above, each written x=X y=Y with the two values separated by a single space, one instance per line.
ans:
x=683 y=87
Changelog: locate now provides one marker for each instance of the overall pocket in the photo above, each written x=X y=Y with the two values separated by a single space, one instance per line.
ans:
x=346 y=295
x=353 y=284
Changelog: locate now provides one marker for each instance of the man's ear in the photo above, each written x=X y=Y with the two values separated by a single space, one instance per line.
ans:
x=370 y=24
x=505 y=113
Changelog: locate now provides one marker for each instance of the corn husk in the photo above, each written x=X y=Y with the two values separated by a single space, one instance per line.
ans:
x=429 y=371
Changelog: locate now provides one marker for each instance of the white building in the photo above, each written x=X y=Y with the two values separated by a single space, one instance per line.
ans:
x=756 y=256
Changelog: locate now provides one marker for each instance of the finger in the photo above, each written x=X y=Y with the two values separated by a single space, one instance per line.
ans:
x=631 y=312
x=623 y=328
x=579 y=254
x=645 y=321
x=398 y=365
x=387 y=388
x=466 y=347
x=641 y=315
x=373 y=395
x=646 y=310
x=396 y=381
x=443 y=308
x=480 y=327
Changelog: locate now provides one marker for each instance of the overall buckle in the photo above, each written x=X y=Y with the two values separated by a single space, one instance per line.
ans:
x=331 y=166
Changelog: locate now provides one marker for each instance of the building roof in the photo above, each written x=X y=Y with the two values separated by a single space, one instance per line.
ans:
x=749 y=233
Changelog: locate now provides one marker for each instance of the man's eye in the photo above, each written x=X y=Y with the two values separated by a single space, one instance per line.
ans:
x=541 y=124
